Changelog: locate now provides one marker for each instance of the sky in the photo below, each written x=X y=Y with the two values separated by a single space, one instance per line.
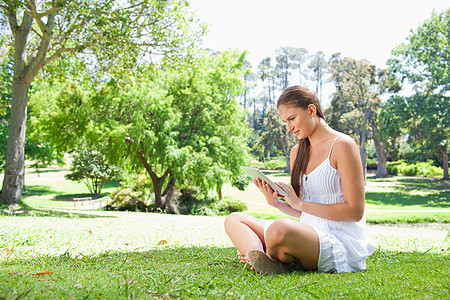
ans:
x=358 y=29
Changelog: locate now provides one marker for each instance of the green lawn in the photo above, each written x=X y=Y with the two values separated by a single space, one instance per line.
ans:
x=64 y=253
x=117 y=255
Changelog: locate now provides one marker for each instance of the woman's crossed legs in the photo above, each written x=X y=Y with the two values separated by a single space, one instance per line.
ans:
x=286 y=240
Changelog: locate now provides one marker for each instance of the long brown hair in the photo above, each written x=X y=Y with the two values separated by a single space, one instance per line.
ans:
x=300 y=96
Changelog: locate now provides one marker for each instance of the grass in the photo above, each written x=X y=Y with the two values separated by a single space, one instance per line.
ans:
x=51 y=251
x=134 y=255
x=212 y=273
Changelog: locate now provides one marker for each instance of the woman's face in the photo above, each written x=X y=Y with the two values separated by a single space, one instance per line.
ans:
x=298 y=120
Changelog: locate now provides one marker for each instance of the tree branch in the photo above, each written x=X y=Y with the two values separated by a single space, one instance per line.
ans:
x=33 y=13
x=57 y=54
x=12 y=20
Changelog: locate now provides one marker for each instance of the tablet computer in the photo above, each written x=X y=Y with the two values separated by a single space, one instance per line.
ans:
x=255 y=173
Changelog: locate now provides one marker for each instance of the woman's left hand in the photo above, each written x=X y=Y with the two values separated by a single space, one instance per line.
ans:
x=291 y=197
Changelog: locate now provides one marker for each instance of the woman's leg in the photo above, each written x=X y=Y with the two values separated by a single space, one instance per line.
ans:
x=246 y=232
x=287 y=240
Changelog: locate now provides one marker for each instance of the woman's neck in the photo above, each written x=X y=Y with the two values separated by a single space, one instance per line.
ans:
x=321 y=133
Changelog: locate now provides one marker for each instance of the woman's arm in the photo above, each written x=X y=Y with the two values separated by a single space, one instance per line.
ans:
x=272 y=197
x=345 y=156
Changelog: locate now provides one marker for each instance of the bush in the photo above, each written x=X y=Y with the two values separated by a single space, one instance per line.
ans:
x=191 y=202
x=132 y=197
x=228 y=205
x=242 y=182
x=426 y=169
x=90 y=167
x=275 y=164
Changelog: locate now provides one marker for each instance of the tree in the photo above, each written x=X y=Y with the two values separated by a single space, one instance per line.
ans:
x=184 y=127
x=319 y=66
x=424 y=61
x=282 y=67
x=276 y=134
x=6 y=70
x=298 y=57
x=358 y=89
x=90 y=167
x=121 y=36
x=264 y=69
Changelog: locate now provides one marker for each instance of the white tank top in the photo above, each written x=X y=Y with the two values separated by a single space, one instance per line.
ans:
x=323 y=184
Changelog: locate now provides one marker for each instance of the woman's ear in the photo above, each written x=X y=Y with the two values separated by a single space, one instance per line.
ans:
x=312 y=110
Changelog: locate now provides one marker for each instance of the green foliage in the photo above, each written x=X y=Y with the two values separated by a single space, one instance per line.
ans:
x=242 y=182
x=184 y=124
x=134 y=196
x=424 y=61
x=275 y=136
x=424 y=58
x=192 y=202
x=90 y=167
x=258 y=151
x=229 y=205
x=426 y=169
x=275 y=164
x=6 y=75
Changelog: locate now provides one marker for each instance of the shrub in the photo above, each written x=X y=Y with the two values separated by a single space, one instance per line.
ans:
x=228 y=205
x=426 y=169
x=275 y=164
x=132 y=197
x=242 y=182
x=90 y=167
x=191 y=202
x=392 y=168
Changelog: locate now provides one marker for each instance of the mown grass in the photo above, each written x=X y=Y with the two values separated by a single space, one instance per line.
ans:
x=50 y=251
x=115 y=255
x=213 y=273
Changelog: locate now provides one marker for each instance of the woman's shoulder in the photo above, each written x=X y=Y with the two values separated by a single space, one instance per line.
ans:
x=344 y=144
x=343 y=140
x=294 y=150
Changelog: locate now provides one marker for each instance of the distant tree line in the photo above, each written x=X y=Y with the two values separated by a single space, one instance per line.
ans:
x=368 y=102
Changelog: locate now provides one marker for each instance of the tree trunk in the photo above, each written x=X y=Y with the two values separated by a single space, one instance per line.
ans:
x=15 y=152
x=168 y=193
x=362 y=149
x=381 y=157
x=300 y=72
x=157 y=189
x=219 y=192
x=443 y=150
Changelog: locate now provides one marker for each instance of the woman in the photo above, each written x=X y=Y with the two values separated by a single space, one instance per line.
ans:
x=327 y=195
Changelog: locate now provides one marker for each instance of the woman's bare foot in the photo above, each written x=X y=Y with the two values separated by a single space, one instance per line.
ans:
x=243 y=259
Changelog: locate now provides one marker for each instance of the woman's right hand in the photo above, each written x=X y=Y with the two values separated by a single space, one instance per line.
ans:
x=271 y=195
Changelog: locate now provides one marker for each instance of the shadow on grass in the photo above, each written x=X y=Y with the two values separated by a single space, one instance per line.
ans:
x=401 y=199
x=43 y=171
x=25 y=210
x=215 y=273
x=38 y=190
x=407 y=184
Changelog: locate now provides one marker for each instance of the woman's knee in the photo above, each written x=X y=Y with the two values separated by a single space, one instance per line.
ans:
x=278 y=232
x=233 y=218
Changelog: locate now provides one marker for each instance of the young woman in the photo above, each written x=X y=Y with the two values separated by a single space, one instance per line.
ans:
x=327 y=195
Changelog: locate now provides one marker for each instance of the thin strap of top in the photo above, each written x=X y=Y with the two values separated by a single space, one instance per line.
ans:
x=332 y=145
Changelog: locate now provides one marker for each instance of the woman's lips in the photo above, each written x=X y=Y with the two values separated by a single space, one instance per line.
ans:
x=296 y=132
